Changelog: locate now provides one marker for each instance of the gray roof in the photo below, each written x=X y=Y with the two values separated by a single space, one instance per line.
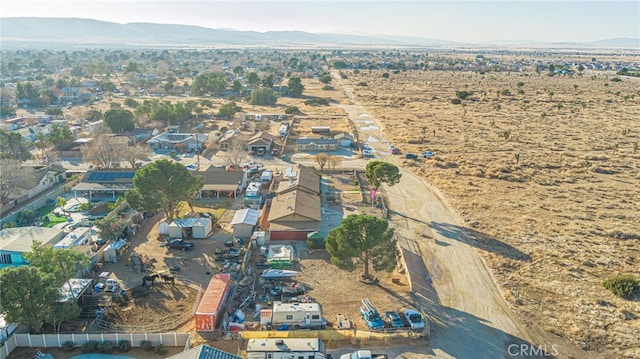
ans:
x=317 y=141
x=246 y=216
x=220 y=176
x=204 y=352
x=20 y=239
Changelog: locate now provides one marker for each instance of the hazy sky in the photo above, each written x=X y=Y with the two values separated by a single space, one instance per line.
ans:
x=473 y=21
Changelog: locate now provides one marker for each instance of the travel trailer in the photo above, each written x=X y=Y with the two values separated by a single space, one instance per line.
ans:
x=293 y=316
x=286 y=348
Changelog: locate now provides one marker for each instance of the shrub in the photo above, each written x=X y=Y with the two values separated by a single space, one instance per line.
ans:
x=456 y=101
x=146 y=345
x=327 y=88
x=622 y=285
x=161 y=350
x=325 y=79
x=124 y=346
x=68 y=346
x=462 y=94
x=105 y=347
x=130 y=102
x=90 y=346
x=290 y=110
x=317 y=102
x=363 y=84
x=616 y=79
x=385 y=75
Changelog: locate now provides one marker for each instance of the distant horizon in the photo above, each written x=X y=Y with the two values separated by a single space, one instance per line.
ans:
x=474 y=21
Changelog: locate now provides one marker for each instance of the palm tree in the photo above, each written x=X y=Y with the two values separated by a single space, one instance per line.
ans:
x=60 y=202
x=42 y=142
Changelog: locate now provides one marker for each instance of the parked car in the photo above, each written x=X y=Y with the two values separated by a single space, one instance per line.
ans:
x=427 y=154
x=367 y=153
x=395 y=151
x=393 y=318
x=179 y=244
x=411 y=156
x=414 y=319
x=275 y=152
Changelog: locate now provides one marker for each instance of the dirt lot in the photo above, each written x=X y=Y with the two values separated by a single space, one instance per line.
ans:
x=338 y=291
x=550 y=172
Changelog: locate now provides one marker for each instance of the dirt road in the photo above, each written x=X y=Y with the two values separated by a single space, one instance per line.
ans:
x=469 y=318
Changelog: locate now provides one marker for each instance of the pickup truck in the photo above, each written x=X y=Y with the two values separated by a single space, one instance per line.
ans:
x=363 y=354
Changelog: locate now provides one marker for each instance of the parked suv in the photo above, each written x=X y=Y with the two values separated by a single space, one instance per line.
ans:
x=410 y=156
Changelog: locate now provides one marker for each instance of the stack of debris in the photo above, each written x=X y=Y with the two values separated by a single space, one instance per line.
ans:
x=136 y=262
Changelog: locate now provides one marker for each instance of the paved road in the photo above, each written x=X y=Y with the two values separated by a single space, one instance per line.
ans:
x=469 y=318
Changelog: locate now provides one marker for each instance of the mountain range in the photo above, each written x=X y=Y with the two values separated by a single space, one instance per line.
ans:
x=18 y=32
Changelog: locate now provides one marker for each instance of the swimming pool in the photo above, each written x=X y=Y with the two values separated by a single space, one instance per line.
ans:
x=101 y=356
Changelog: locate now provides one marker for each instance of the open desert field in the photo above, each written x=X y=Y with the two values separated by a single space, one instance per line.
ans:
x=545 y=171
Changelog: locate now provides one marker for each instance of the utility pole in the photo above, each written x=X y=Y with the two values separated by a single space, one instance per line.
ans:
x=198 y=145
x=198 y=149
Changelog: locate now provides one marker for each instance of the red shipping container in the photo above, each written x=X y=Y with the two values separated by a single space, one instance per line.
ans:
x=213 y=300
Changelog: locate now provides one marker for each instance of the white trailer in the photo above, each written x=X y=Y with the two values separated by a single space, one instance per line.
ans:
x=294 y=316
x=287 y=348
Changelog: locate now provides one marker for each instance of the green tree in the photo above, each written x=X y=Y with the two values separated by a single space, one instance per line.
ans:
x=209 y=83
x=60 y=202
x=119 y=120
x=378 y=172
x=60 y=134
x=61 y=264
x=229 y=109
x=94 y=115
x=268 y=81
x=129 y=102
x=27 y=296
x=236 y=86
x=263 y=97
x=13 y=146
x=6 y=111
x=162 y=185
x=327 y=78
x=295 y=87
x=238 y=70
x=110 y=228
x=252 y=79
x=365 y=238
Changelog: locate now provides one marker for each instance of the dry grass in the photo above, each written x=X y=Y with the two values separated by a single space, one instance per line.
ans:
x=562 y=186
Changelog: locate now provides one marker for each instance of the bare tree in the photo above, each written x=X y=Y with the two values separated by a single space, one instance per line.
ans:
x=131 y=154
x=104 y=151
x=321 y=159
x=100 y=129
x=264 y=125
x=237 y=151
x=334 y=161
x=14 y=178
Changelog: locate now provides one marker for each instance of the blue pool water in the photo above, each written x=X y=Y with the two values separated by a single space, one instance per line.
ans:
x=101 y=356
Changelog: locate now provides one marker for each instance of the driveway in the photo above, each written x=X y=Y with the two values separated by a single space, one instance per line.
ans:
x=469 y=318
